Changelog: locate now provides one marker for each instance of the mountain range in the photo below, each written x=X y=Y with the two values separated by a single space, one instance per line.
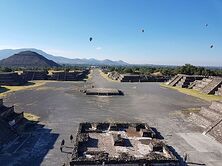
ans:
x=5 y=53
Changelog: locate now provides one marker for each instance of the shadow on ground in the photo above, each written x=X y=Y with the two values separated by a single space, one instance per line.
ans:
x=29 y=84
x=30 y=147
x=3 y=89
x=158 y=134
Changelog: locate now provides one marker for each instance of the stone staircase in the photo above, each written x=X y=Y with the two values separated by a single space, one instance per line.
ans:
x=216 y=130
x=200 y=84
x=200 y=120
x=205 y=117
x=219 y=91
x=213 y=86
x=185 y=82
x=210 y=119
x=217 y=106
x=175 y=80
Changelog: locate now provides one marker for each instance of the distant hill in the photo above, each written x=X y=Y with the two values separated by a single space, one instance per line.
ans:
x=27 y=59
x=62 y=60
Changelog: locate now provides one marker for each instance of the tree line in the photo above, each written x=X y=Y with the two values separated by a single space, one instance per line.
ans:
x=167 y=70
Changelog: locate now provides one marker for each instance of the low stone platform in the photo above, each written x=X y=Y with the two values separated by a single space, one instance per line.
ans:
x=103 y=92
x=120 y=144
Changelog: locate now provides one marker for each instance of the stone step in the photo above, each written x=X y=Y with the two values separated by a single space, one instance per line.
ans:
x=176 y=80
x=207 y=80
x=171 y=80
x=210 y=113
x=216 y=105
x=218 y=93
x=216 y=131
x=197 y=88
x=212 y=86
x=192 y=85
x=200 y=84
x=200 y=120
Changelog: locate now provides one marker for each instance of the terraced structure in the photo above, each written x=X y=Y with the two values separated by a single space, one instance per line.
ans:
x=210 y=118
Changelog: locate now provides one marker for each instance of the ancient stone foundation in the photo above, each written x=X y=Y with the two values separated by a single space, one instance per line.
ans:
x=103 y=92
x=120 y=144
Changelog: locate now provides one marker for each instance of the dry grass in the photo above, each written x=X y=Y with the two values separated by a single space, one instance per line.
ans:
x=194 y=93
x=106 y=76
x=30 y=85
x=190 y=110
x=31 y=117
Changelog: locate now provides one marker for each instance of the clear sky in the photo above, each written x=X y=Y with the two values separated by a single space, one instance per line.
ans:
x=175 y=31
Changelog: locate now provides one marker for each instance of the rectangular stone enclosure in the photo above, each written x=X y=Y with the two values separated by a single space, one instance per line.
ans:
x=120 y=143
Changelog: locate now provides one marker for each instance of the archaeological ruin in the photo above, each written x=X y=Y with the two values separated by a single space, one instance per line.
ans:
x=210 y=119
x=11 y=78
x=136 y=77
x=120 y=144
x=207 y=85
x=35 y=75
x=9 y=121
x=69 y=76
x=103 y=92
x=20 y=78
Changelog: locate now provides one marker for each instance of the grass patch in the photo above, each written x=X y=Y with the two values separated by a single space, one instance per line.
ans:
x=31 y=117
x=194 y=93
x=106 y=76
x=4 y=90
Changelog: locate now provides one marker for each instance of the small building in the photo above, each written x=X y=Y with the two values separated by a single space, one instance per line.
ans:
x=11 y=79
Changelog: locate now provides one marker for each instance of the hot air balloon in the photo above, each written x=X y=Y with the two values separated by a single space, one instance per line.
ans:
x=90 y=39
x=206 y=25
x=211 y=46
x=142 y=30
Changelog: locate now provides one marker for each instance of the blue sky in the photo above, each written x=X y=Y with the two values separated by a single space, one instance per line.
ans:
x=175 y=31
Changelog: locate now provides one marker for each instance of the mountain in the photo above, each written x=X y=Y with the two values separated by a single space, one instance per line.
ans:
x=62 y=60
x=27 y=59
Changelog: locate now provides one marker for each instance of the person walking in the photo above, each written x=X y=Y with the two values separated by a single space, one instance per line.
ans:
x=62 y=144
x=71 y=138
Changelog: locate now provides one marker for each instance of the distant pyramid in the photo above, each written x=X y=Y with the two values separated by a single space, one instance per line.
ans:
x=28 y=59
